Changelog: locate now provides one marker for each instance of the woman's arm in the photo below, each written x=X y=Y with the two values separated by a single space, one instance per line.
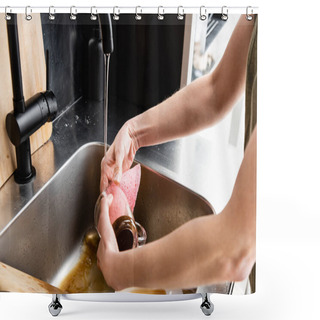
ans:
x=206 y=250
x=197 y=106
x=202 y=103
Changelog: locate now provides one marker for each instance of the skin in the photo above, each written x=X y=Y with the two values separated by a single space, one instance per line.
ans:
x=225 y=246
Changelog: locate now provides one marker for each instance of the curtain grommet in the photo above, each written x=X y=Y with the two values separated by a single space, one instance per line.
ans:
x=138 y=16
x=93 y=16
x=73 y=13
x=180 y=15
x=224 y=13
x=249 y=16
x=7 y=10
x=52 y=12
x=116 y=15
x=160 y=14
x=203 y=13
x=28 y=12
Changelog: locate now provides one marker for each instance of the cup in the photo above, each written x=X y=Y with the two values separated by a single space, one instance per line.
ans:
x=129 y=233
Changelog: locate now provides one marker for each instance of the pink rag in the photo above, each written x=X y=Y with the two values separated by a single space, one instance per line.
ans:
x=125 y=193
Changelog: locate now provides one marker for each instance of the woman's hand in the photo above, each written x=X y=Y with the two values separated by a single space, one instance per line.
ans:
x=119 y=157
x=108 y=246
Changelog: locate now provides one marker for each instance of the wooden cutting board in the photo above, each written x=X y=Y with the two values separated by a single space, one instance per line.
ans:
x=34 y=80
x=14 y=280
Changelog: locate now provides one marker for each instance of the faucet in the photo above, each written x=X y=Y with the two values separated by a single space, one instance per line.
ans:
x=107 y=47
x=27 y=117
x=106 y=31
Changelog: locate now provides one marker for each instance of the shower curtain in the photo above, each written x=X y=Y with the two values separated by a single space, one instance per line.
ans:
x=185 y=84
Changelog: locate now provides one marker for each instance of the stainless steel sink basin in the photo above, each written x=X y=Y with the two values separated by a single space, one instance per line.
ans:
x=48 y=230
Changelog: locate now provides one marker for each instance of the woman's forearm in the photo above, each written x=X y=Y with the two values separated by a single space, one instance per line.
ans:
x=202 y=103
x=177 y=260
x=183 y=113
x=200 y=252
x=209 y=249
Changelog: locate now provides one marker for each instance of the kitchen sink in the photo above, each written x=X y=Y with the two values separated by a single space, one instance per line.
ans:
x=51 y=227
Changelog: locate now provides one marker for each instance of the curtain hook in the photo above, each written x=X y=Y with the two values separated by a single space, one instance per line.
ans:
x=224 y=13
x=93 y=16
x=138 y=16
x=73 y=13
x=28 y=12
x=180 y=13
x=116 y=14
x=249 y=17
x=7 y=10
x=52 y=11
x=160 y=14
x=203 y=13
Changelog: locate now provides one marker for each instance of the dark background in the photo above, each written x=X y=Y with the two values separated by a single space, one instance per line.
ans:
x=145 y=67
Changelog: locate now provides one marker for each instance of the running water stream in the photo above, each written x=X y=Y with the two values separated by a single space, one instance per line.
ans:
x=106 y=100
